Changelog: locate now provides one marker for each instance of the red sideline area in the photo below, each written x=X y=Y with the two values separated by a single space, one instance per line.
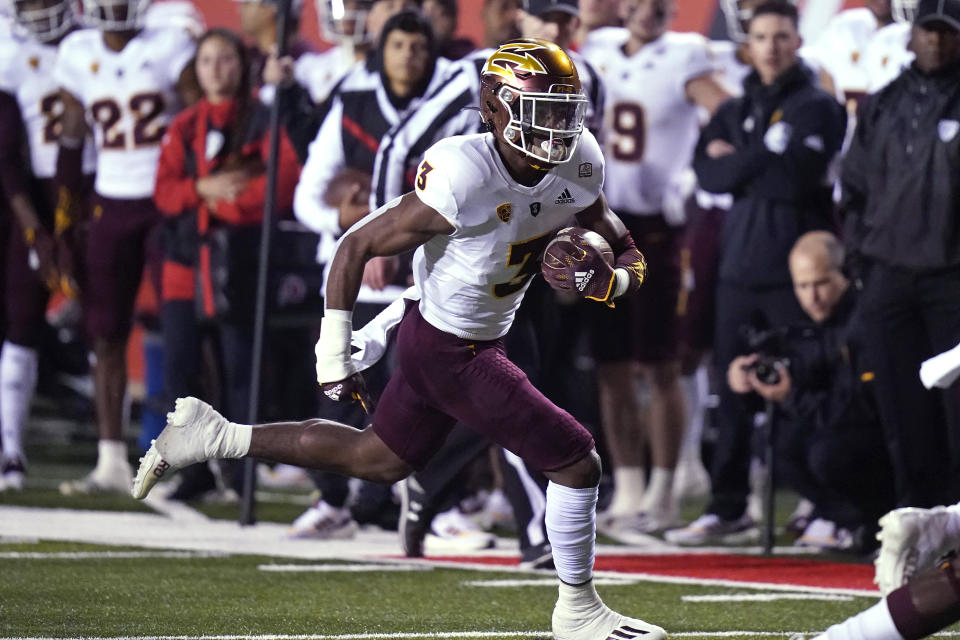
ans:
x=803 y=572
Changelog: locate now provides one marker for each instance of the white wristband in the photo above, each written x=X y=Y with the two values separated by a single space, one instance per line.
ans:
x=623 y=282
x=333 y=347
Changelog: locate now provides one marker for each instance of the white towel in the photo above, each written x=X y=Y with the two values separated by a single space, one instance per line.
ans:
x=372 y=339
x=941 y=370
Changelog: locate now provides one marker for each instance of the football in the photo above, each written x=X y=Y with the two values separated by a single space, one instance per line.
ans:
x=341 y=184
x=562 y=254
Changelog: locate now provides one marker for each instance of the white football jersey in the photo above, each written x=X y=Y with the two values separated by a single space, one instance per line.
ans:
x=888 y=55
x=130 y=98
x=473 y=280
x=26 y=71
x=319 y=73
x=840 y=49
x=650 y=126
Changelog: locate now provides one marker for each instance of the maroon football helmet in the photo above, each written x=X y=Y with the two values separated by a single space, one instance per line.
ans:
x=531 y=99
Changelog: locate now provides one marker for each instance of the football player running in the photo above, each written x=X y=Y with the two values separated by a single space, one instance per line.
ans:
x=129 y=82
x=26 y=64
x=484 y=208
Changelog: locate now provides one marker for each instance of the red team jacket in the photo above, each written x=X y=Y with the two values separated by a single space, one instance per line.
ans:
x=185 y=156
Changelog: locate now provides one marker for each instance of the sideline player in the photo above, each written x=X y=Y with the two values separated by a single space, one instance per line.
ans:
x=657 y=82
x=484 y=208
x=130 y=82
x=26 y=64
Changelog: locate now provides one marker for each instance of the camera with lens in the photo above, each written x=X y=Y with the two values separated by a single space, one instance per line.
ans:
x=771 y=348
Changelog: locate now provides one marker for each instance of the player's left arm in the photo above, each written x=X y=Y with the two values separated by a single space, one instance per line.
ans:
x=630 y=267
x=705 y=91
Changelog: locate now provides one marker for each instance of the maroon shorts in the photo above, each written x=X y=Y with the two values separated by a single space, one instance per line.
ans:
x=441 y=379
x=26 y=294
x=700 y=262
x=642 y=326
x=114 y=258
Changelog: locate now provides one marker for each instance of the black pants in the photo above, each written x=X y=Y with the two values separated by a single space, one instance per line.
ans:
x=909 y=317
x=737 y=307
x=843 y=469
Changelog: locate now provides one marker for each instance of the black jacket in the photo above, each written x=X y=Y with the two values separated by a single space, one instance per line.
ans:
x=778 y=194
x=832 y=384
x=901 y=176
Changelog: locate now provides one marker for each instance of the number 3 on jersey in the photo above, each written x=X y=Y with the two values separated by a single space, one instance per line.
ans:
x=524 y=254
x=425 y=168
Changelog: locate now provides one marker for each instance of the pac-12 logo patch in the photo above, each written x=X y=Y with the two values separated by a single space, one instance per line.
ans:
x=504 y=211
x=586 y=169
x=534 y=209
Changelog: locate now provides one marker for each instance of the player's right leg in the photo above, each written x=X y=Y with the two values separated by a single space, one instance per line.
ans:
x=195 y=432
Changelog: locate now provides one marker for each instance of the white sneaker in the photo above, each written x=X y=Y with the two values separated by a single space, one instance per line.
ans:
x=911 y=540
x=192 y=434
x=709 y=528
x=111 y=480
x=825 y=534
x=497 y=511
x=596 y=621
x=636 y=528
x=14 y=473
x=323 y=521
x=453 y=531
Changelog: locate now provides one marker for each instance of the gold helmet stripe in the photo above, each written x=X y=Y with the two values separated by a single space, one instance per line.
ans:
x=516 y=54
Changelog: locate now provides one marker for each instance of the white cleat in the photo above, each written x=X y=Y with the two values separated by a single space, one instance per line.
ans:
x=193 y=434
x=580 y=615
x=911 y=540
x=603 y=624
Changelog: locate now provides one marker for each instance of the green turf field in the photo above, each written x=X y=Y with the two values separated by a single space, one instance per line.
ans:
x=44 y=595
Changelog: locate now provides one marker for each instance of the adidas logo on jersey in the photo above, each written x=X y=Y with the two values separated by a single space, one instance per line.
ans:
x=582 y=279
x=564 y=198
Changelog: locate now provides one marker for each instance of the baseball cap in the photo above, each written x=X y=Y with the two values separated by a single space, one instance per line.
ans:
x=946 y=11
x=540 y=7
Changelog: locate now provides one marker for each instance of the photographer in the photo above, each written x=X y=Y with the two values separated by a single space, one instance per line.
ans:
x=830 y=447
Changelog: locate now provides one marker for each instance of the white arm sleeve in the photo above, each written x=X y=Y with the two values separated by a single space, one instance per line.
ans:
x=324 y=160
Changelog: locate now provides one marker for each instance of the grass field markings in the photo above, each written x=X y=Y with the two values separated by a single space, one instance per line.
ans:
x=738 y=584
x=543 y=582
x=174 y=509
x=106 y=555
x=764 y=597
x=345 y=568
x=444 y=634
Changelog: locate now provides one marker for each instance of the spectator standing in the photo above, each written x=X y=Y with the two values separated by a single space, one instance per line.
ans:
x=443 y=16
x=901 y=201
x=770 y=148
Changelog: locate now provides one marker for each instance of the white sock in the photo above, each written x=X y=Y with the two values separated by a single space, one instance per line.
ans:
x=627 y=490
x=571 y=530
x=579 y=600
x=659 y=493
x=18 y=380
x=874 y=623
x=111 y=454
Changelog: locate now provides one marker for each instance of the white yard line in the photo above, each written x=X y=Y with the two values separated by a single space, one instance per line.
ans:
x=105 y=555
x=342 y=568
x=764 y=597
x=441 y=634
